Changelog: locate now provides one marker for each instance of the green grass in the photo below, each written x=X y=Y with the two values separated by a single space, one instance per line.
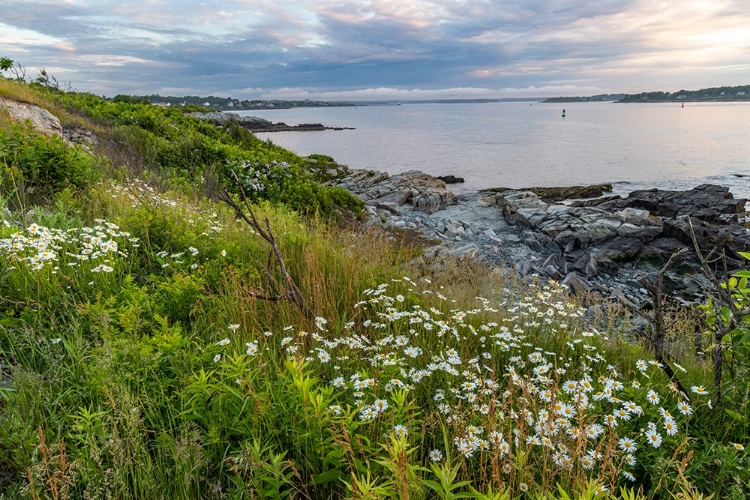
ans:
x=139 y=362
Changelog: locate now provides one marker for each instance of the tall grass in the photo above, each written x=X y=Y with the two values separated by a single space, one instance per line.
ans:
x=137 y=361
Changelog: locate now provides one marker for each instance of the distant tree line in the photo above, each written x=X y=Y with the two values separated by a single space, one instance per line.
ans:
x=592 y=98
x=738 y=93
x=224 y=103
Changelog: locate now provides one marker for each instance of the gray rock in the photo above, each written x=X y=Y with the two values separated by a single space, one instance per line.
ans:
x=620 y=249
x=633 y=216
x=432 y=199
x=398 y=196
x=527 y=217
x=511 y=202
x=578 y=285
x=466 y=251
x=600 y=230
x=586 y=264
x=553 y=273
x=40 y=119
x=600 y=248
x=387 y=206
x=706 y=202
x=662 y=249
x=567 y=241
x=524 y=267
x=556 y=261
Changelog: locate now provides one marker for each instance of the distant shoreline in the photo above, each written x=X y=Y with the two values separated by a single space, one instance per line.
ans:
x=647 y=101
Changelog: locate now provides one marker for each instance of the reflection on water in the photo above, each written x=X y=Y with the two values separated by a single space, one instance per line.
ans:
x=636 y=146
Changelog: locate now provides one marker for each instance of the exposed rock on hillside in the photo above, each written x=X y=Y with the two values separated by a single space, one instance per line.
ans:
x=41 y=120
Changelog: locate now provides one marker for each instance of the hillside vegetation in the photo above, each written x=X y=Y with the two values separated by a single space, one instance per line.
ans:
x=148 y=349
x=712 y=94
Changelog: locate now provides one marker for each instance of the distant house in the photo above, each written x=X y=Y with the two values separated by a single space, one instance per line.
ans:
x=681 y=96
x=741 y=92
x=206 y=103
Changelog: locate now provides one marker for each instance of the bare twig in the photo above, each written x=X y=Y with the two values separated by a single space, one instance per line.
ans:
x=657 y=321
x=20 y=304
x=292 y=292
x=723 y=298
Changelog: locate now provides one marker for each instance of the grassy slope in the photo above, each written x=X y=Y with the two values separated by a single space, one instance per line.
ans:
x=149 y=369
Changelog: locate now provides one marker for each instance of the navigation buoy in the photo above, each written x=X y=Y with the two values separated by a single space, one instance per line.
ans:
x=563 y=113
x=683 y=105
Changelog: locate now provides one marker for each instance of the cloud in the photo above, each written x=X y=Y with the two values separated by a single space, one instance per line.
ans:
x=388 y=93
x=337 y=47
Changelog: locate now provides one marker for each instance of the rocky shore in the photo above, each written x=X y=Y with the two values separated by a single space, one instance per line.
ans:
x=257 y=124
x=605 y=245
x=592 y=242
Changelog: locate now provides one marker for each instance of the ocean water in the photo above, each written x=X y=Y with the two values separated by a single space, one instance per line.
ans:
x=521 y=144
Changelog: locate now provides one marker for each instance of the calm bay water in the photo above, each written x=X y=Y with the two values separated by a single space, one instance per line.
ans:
x=515 y=145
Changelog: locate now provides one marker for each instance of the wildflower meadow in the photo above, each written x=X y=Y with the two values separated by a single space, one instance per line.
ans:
x=146 y=350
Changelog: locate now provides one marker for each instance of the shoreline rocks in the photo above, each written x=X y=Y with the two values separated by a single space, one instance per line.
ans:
x=606 y=246
x=257 y=124
x=552 y=194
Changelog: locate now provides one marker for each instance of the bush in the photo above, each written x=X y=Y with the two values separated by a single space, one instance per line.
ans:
x=35 y=167
x=185 y=149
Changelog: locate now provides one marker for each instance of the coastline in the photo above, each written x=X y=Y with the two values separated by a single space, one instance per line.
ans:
x=604 y=246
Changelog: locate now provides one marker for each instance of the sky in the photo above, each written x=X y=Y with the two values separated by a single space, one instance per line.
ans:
x=380 y=49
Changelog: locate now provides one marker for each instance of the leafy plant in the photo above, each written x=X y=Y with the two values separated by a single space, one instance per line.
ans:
x=35 y=167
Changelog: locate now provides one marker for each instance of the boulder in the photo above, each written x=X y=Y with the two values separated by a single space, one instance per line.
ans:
x=706 y=202
x=432 y=199
x=633 y=216
x=662 y=248
x=451 y=179
x=731 y=239
x=620 y=249
x=555 y=194
x=40 y=119
x=586 y=264
x=412 y=190
x=578 y=285
x=512 y=201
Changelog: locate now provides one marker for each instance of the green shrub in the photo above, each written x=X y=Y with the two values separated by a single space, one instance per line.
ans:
x=35 y=167
x=185 y=149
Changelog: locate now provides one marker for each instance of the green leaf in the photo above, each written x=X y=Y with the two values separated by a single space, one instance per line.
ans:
x=737 y=416
x=328 y=476
x=432 y=484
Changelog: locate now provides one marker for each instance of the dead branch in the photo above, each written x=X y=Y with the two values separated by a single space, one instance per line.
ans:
x=722 y=298
x=292 y=292
x=657 y=321
x=19 y=304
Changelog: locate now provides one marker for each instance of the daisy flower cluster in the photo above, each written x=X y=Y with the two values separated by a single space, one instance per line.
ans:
x=534 y=382
x=255 y=176
x=186 y=259
x=140 y=193
x=96 y=249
